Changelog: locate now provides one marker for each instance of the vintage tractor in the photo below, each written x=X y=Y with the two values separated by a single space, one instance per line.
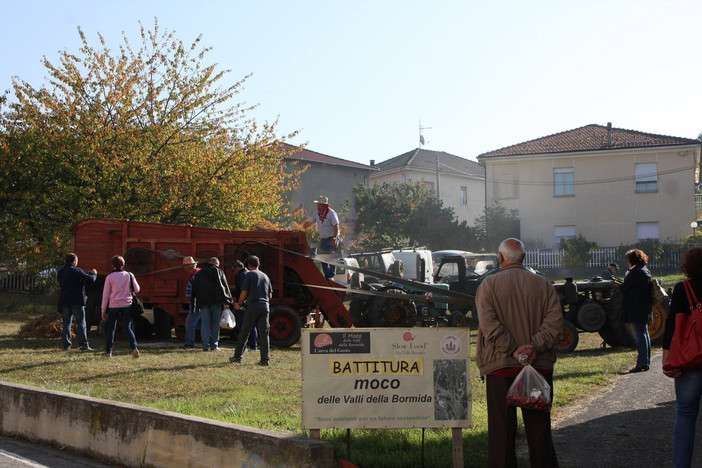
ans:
x=596 y=306
x=154 y=253
x=393 y=301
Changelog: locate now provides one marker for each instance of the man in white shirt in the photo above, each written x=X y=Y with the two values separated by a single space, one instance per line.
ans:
x=328 y=225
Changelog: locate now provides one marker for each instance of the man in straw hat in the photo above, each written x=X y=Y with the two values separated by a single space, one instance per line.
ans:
x=328 y=225
x=193 y=319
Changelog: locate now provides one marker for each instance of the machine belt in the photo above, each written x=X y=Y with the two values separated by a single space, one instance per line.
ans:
x=444 y=296
x=365 y=292
x=457 y=296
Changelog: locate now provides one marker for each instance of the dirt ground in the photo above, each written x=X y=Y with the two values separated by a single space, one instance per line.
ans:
x=628 y=425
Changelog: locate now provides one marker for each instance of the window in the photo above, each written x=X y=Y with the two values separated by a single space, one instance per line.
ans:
x=563 y=232
x=464 y=196
x=427 y=185
x=646 y=177
x=563 y=182
x=647 y=231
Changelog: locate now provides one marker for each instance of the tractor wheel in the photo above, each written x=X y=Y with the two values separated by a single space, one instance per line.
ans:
x=391 y=312
x=568 y=338
x=142 y=329
x=285 y=326
x=591 y=316
x=614 y=331
x=163 y=323
x=458 y=319
x=656 y=329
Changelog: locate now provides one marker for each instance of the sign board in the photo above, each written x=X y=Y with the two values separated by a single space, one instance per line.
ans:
x=386 y=378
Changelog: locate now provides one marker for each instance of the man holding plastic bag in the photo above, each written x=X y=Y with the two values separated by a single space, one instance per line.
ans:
x=520 y=319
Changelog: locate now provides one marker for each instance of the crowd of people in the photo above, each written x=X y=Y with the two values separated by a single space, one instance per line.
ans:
x=520 y=319
x=206 y=290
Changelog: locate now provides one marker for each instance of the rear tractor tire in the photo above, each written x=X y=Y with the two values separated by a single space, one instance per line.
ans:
x=656 y=329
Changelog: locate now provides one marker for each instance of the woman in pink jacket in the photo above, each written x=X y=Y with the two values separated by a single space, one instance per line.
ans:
x=116 y=304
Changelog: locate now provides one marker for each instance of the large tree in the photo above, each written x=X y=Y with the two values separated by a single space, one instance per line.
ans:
x=149 y=134
x=400 y=215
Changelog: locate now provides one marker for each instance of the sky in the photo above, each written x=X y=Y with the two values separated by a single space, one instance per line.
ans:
x=359 y=78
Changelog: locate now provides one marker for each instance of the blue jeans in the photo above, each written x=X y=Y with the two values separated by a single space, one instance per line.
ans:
x=258 y=318
x=210 y=316
x=68 y=312
x=325 y=247
x=688 y=390
x=253 y=337
x=643 y=343
x=191 y=323
x=124 y=314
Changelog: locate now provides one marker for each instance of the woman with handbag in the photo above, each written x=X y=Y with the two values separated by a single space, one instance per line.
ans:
x=117 y=304
x=688 y=380
x=638 y=313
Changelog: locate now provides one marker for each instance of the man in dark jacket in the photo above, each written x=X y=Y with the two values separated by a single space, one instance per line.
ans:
x=608 y=274
x=210 y=292
x=257 y=292
x=72 y=300
x=240 y=273
x=193 y=319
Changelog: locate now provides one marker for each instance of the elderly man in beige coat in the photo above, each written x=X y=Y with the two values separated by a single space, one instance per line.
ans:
x=520 y=319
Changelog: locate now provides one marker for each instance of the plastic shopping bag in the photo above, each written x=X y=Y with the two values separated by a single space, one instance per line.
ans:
x=530 y=390
x=227 y=320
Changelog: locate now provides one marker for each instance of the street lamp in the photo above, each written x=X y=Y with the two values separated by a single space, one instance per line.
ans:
x=693 y=225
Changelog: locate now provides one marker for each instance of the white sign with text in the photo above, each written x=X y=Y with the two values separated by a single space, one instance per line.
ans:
x=386 y=378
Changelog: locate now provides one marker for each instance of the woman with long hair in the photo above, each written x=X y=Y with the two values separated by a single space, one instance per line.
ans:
x=117 y=303
x=638 y=312
x=688 y=385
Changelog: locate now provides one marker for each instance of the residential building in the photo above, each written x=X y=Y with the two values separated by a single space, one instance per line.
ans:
x=325 y=175
x=614 y=186
x=458 y=182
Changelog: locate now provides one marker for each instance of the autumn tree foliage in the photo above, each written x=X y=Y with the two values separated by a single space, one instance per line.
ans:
x=406 y=215
x=148 y=133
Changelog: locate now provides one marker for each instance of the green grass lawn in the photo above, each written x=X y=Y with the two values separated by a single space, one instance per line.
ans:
x=207 y=385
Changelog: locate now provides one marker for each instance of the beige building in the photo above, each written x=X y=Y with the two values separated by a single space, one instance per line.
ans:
x=614 y=186
x=325 y=175
x=458 y=182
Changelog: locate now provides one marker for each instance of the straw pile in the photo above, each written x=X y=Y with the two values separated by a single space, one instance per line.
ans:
x=45 y=326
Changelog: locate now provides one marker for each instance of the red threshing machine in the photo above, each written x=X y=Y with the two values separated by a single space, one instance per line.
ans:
x=154 y=253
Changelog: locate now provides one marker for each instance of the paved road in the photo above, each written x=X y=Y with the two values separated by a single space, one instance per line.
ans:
x=19 y=454
x=631 y=425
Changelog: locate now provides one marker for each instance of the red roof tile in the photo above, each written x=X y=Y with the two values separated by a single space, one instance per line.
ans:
x=589 y=138
x=303 y=154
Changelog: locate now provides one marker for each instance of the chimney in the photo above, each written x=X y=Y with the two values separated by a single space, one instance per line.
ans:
x=372 y=162
x=609 y=134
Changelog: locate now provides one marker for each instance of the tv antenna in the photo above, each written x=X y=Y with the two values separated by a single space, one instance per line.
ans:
x=421 y=137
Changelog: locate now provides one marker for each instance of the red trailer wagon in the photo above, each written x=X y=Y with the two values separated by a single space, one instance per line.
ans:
x=154 y=253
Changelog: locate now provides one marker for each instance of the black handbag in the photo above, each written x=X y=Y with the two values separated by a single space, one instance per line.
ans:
x=137 y=307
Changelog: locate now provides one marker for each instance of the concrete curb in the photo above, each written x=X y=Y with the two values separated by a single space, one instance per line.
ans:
x=137 y=436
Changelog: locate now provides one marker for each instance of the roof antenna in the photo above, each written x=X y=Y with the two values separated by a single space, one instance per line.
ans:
x=421 y=137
